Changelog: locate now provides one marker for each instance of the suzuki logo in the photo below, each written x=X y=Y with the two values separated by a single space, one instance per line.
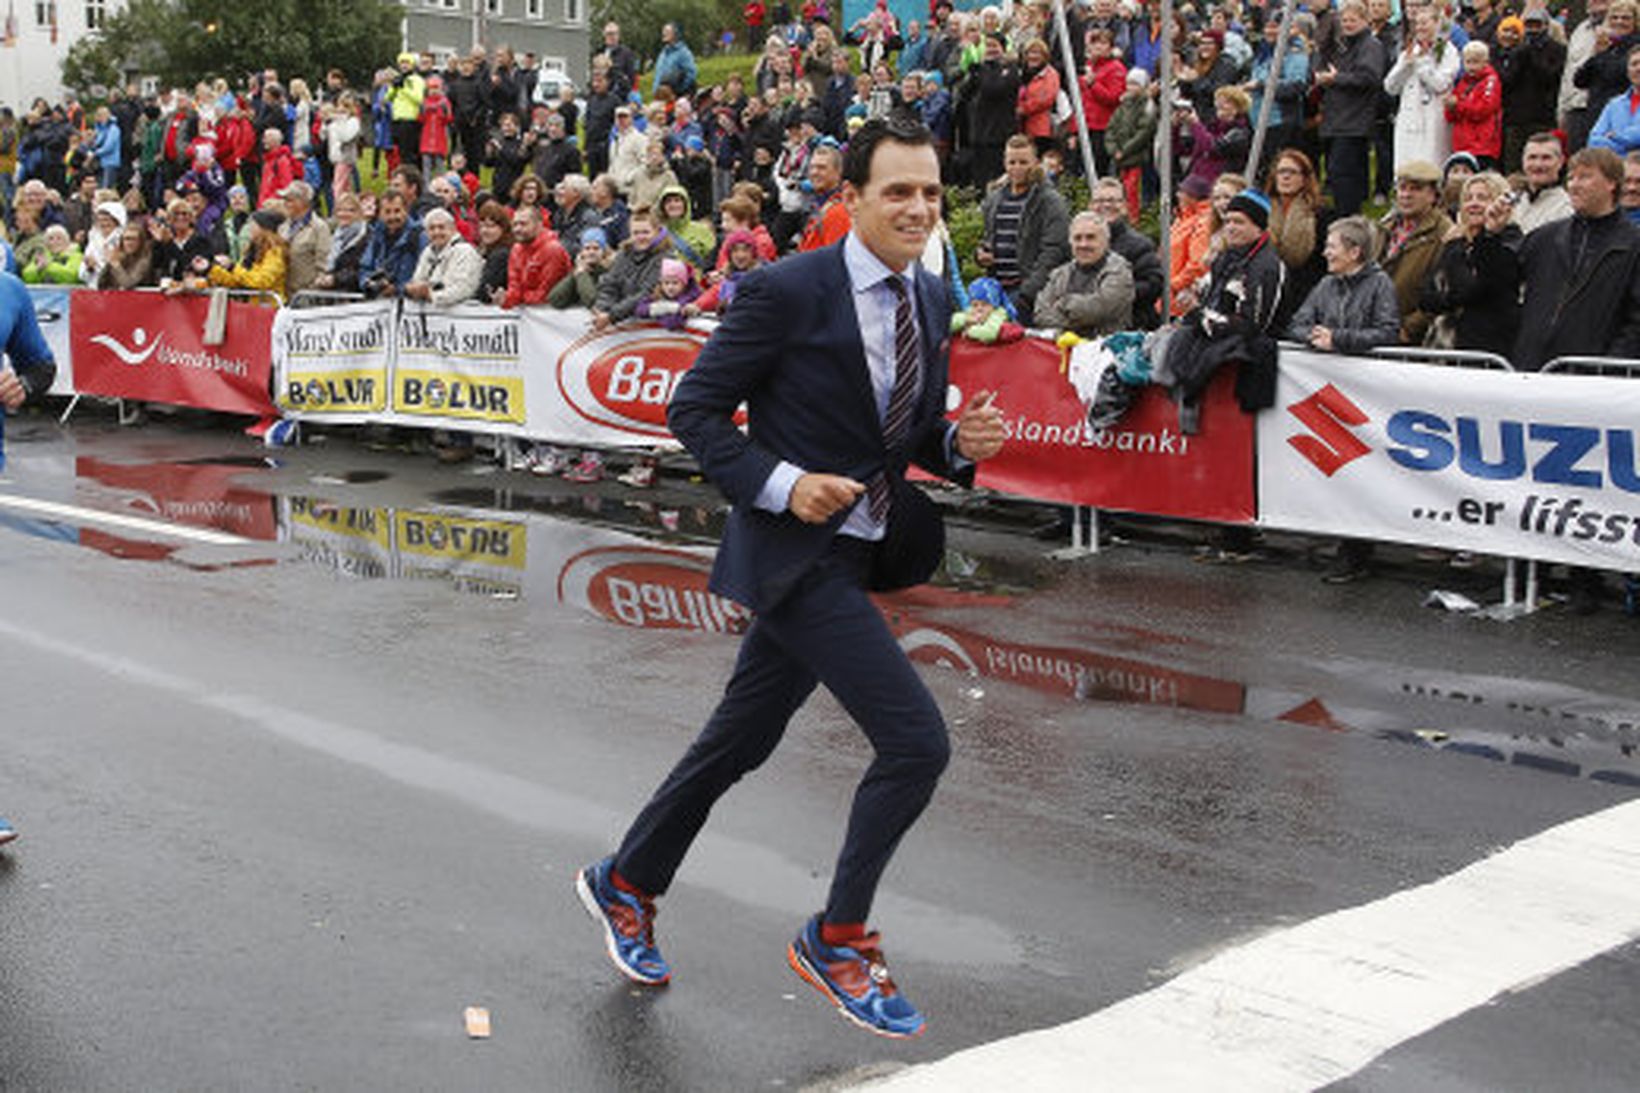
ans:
x=129 y=356
x=1327 y=414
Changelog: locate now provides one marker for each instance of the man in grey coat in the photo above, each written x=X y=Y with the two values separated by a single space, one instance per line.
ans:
x=1092 y=294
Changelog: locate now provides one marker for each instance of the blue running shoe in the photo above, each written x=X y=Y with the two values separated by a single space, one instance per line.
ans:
x=7 y=832
x=856 y=980
x=628 y=922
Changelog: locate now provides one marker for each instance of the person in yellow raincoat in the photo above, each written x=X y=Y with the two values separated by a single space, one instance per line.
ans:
x=262 y=266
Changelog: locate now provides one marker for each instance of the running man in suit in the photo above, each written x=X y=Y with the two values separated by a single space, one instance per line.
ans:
x=840 y=357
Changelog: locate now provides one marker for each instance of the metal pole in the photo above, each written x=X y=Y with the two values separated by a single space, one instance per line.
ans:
x=1271 y=78
x=1164 y=169
x=1074 y=93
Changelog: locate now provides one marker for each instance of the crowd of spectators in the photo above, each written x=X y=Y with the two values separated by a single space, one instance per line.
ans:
x=649 y=196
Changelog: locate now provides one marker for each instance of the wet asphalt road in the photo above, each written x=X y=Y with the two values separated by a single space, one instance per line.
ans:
x=289 y=806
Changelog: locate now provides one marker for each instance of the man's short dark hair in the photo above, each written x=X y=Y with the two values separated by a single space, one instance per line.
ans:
x=900 y=126
x=411 y=176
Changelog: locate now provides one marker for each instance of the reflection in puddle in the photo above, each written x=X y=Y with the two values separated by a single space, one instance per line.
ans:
x=348 y=478
x=641 y=565
x=699 y=522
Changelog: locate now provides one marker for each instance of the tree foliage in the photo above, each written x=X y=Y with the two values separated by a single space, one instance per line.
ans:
x=182 y=41
x=701 y=21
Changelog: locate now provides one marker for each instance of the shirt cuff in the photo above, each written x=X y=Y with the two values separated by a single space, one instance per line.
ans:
x=776 y=494
x=956 y=460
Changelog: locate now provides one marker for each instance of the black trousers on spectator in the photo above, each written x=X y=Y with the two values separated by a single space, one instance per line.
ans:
x=1383 y=148
x=472 y=139
x=597 y=156
x=407 y=136
x=1347 y=173
x=826 y=631
x=1578 y=125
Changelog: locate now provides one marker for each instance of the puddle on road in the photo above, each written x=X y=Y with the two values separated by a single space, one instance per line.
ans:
x=348 y=478
x=642 y=564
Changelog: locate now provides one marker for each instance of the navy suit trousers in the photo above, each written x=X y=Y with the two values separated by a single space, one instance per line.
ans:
x=825 y=631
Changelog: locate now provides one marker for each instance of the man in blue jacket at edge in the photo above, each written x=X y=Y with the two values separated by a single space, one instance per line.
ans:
x=840 y=357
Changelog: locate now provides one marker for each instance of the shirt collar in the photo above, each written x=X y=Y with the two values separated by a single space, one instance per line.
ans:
x=866 y=270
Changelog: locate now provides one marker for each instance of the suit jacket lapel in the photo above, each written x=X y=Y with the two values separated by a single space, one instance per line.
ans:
x=934 y=331
x=855 y=370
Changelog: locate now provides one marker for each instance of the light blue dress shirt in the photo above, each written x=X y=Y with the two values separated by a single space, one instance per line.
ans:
x=874 y=306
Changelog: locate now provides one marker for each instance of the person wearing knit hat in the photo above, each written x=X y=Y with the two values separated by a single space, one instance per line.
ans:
x=262 y=268
x=1531 y=72
x=990 y=317
x=592 y=256
x=1253 y=205
x=675 y=291
x=1231 y=319
x=740 y=249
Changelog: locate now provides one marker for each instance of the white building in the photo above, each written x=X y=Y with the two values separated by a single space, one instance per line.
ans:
x=37 y=36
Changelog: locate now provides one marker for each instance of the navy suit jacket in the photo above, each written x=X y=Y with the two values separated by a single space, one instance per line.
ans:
x=790 y=348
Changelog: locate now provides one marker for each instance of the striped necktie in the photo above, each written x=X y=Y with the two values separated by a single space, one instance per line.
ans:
x=902 y=399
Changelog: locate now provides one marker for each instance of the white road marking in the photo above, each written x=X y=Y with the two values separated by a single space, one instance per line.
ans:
x=748 y=872
x=1302 y=1007
x=77 y=514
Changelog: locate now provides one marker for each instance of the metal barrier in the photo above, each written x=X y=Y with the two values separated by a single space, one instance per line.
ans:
x=1595 y=366
x=1449 y=358
x=260 y=295
x=316 y=297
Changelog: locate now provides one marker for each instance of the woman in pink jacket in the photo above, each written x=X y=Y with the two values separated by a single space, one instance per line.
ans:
x=1474 y=106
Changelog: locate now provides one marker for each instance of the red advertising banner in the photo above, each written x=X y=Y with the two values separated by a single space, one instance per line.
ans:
x=141 y=345
x=1143 y=464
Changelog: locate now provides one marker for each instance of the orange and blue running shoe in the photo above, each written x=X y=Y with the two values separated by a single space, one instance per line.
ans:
x=855 y=979
x=628 y=921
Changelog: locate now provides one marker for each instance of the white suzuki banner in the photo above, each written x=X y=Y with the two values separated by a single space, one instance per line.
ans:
x=537 y=372
x=1515 y=464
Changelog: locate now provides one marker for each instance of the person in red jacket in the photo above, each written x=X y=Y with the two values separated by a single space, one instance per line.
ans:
x=1102 y=82
x=235 y=141
x=1038 y=91
x=830 y=221
x=537 y=262
x=1474 y=106
x=436 y=117
x=278 y=167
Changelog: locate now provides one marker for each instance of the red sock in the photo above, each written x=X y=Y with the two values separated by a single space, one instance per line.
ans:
x=842 y=934
x=625 y=885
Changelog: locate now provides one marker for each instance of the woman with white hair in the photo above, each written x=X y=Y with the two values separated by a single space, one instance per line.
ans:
x=101 y=240
x=57 y=263
x=1475 y=107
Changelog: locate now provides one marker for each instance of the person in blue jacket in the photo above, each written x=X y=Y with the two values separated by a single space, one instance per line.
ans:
x=105 y=145
x=25 y=377
x=392 y=248
x=1618 y=126
x=675 y=64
